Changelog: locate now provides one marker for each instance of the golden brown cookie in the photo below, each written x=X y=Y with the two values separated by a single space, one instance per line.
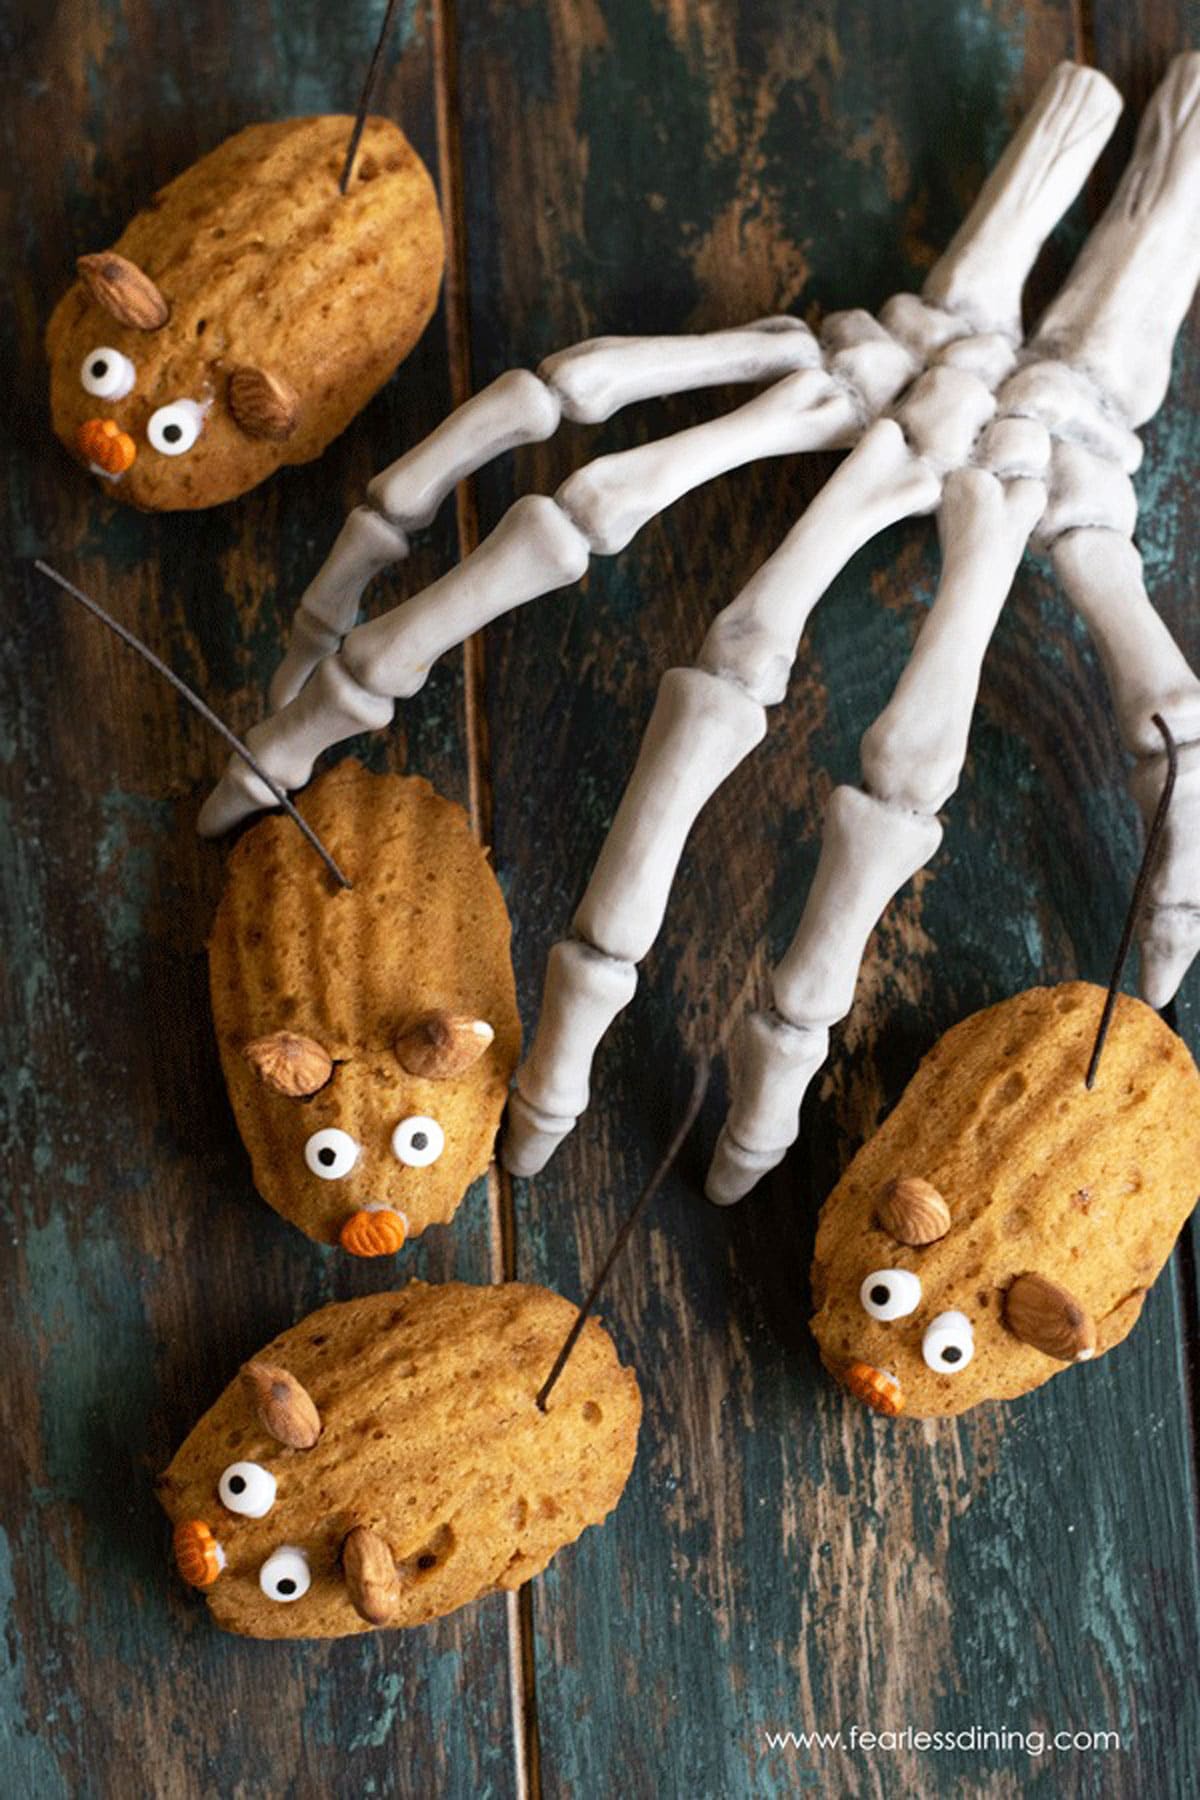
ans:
x=434 y=1479
x=247 y=314
x=1060 y=1205
x=367 y=1035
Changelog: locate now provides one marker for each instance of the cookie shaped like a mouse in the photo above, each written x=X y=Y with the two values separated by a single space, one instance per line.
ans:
x=1005 y=1221
x=385 y=1461
x=367 y=1035
x=247 y=314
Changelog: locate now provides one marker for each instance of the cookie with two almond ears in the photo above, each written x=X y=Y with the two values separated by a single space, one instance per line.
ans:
x=385 y=1461
x=247 y=314
x=1006 y=1221
x=367 y=1035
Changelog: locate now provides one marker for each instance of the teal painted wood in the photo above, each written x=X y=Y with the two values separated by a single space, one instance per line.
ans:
x=139 y=1266
x=781 y=1560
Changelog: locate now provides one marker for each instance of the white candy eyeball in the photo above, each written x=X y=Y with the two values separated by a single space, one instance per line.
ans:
x=285 y=1574
x=949 y=1343
x=107 y=374
x=174 y=429
x=247 y=1488
x=331 y=1153
x=890 y=1294
x=418 y=1141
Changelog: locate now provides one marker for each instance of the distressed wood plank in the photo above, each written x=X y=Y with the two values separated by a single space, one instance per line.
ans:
x=139 y=1266
x=782 y=1560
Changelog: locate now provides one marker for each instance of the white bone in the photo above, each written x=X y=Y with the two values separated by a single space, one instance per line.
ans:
x=366 y=544
x=982 y=271
x=1069 y=406
x=912 y=757
x=514 y=409
x=584 y=992
x=986 y=354
x=1101 y=574
x=971 y=408
x=868 y=852
x=913 y=753
x=1012 y=447
x=774 y=1062
x=943 y=413
x=331 y=706
x=754 y=641
x=1169 y=932
x=612 y=498
x=699 y=732
x=1084 y=490
x=597 y=378
x=533 y=550
x=1117 y=317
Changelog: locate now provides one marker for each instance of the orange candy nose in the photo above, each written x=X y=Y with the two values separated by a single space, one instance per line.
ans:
x=104 y=443
x=880 y=1390
x=198 y=1556
x=378 y=1233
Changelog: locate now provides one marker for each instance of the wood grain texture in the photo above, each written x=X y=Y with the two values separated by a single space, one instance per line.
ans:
x=139 y=1266
x=781 y=1560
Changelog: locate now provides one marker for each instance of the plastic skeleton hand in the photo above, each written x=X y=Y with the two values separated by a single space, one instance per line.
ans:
x=949 y=412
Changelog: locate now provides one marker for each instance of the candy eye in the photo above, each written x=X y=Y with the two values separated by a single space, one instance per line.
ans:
x=890 y=1294
x=949 y=1343
x=247 y=1488
x=285 y=1575
x=418 y=1141
x=107 y=374
x=175 y=428
x=331 y=1153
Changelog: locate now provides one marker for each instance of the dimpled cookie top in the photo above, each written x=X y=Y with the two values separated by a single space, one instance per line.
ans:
x=1085 y=1190
x=263 y=266
x=430 y=1438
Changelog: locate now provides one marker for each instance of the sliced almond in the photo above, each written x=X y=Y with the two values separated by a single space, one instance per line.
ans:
x=1049 y=1318
x=123 y=290
x=442 y=1045
x=371 y=1578
x=289 y=1064
x=285 y=1407
x=912 y=1211
x=263 y=405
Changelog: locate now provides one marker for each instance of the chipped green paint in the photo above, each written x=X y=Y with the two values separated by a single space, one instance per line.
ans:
x=775 y=1563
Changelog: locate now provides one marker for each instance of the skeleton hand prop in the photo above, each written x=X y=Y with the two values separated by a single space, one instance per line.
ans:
x=948 y=411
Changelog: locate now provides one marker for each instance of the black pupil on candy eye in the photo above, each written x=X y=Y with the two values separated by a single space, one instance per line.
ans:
x=287 y=1585
x=172 y=433
x=418 y=1140
x=327 y=1157
x=880 y=1294
x=237 y=1484
x=100 y=369
x=952 y=1354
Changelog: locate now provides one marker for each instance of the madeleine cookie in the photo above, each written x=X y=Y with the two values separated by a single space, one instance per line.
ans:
x=1005 y=1221
x=367 y=1034
x=243 y=318
x=385 y=1461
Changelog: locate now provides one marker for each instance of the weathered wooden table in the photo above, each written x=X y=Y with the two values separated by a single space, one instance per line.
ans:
x=781 y=1560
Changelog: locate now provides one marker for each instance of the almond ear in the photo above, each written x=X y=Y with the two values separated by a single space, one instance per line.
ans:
x=263 y=405
x=442 y=1045
x=370 y=1571
x=283 y=1404
x=289 y=1064
x=1049 y=1318
x=123 y=290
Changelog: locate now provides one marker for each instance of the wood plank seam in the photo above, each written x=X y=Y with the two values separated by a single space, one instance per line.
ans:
x=501 y=1215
